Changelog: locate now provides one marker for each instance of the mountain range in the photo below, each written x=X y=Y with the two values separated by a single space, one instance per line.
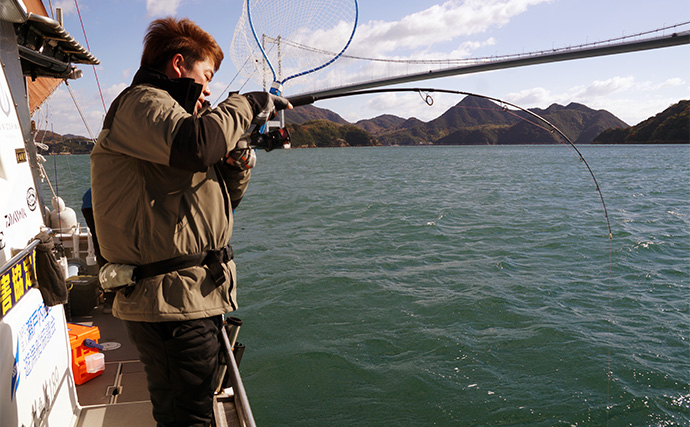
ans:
x=473 y=121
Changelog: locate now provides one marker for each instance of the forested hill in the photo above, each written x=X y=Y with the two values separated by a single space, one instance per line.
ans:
x=473 y=121
x=308 y=113
x=53 y=143
x=671 y=126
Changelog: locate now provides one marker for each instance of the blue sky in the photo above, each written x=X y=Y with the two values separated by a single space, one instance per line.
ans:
x=632 y=86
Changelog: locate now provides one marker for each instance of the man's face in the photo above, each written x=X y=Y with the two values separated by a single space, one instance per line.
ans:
x=202 y=73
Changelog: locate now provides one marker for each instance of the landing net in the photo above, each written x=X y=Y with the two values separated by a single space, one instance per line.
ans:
x=278 y=40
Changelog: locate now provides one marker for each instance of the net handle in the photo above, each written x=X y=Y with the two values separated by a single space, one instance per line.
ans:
x=258 y=43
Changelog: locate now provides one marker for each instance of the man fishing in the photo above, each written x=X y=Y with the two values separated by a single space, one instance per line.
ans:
x=165 y=181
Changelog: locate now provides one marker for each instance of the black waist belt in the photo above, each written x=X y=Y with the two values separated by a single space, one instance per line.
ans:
x=213 y=260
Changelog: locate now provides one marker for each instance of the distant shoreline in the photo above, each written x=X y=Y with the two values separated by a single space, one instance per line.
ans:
x=449 y=145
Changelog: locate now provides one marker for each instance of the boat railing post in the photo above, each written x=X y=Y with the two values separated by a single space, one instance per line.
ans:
x=244 y=411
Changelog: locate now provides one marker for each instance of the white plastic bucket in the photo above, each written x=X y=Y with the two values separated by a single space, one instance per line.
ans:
x=95 y=362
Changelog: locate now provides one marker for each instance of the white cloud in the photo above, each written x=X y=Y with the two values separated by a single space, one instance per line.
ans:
x=418 y=43
x=437 y=24
x=348 y=71
x=673 y=82
x=447 y=58
x=531 y=97
x=60 y=114
x=162 y=7
x=428 y=40
x=110 y=93
x=601 y=88
x=127 y=73
x=631 y=100
x=586 y=94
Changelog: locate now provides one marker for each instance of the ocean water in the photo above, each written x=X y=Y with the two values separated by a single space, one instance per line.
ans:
x=462 y=286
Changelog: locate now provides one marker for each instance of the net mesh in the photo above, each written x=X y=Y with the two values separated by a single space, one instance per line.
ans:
x=297 y=36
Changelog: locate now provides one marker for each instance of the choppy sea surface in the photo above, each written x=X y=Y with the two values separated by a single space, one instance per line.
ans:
x=462 y=286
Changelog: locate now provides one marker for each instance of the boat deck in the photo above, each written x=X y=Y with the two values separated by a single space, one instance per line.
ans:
x=119 y=397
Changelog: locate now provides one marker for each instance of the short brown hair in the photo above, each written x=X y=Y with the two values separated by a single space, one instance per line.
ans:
x=167 y=37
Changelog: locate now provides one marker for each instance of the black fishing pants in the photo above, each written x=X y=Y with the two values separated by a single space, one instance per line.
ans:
x=181 y=363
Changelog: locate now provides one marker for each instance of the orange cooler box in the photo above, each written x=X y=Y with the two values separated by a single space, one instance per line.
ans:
x=87 y=362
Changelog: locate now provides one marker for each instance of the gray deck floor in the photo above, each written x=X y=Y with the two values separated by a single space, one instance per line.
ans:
x=119 y=397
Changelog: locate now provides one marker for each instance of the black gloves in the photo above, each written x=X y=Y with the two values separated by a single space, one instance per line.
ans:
x=265 y=105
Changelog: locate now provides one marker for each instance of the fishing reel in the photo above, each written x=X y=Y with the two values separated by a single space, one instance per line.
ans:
x=243 y=156
x=276 y=138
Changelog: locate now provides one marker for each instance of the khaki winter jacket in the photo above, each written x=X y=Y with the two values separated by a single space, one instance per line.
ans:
x=161 y=190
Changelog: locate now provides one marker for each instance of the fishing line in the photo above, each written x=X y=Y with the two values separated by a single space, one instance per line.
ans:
x=299 y=37
x=425 y=93
x=610 y=275
x=506 y=110
x=512 y=113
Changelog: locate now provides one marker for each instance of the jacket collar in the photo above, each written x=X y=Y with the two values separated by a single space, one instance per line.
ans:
x=183 y=90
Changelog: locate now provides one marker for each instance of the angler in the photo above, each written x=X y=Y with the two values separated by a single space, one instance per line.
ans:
x=167 y=171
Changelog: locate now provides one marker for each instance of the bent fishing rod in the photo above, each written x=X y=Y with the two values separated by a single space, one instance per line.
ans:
x=425 y=93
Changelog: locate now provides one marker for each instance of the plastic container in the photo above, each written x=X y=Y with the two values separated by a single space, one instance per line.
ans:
x=95 y=363
x=80 y=352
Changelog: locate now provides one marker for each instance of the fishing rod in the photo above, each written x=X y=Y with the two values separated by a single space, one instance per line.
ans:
x=302 y=100
x=279 y=23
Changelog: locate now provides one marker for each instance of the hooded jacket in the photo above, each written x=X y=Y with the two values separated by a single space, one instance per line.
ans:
x=161 y=190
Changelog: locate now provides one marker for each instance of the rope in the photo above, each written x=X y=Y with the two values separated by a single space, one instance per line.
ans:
x=81 y=113
x=98 y=83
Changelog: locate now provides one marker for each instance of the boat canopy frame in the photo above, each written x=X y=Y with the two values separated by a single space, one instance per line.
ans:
x=47 y=50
